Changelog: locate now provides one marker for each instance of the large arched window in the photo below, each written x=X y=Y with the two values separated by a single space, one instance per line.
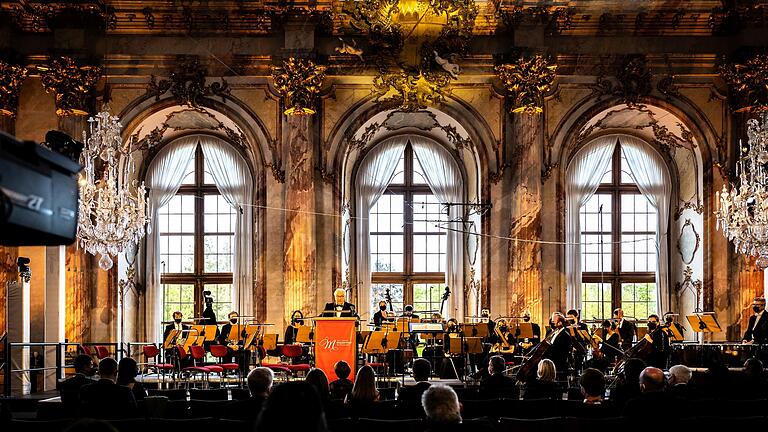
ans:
x=403 y=185
x=200 y=199
x=617 y=210
x=407 y=248
x=197 y=230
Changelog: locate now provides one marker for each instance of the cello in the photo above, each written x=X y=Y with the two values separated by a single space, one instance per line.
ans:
x=528 y=367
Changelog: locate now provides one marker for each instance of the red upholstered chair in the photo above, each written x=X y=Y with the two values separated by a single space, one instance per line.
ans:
x=278 y=368
x=220 y=351
x=101 y=352
x=191 y=371
x=293 y=352
x=151 y=352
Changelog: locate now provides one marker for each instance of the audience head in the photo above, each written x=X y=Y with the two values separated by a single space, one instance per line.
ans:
x=753 y=368
x=127 y=370
x=653 y=322
x=421 y=369
x=546 y=370
x=758 y=304
x=84 y=364
x=342 y=369
x=319 y=381
x=285 y=401
x=441 y=404
x=679 y=374
x=496 y=365
x=592 y=383
x=177 y=316
x=260 y=381
x=651 y=380
x=632 y=369
x=108 y=368
x=365 y=385
x=339 y=295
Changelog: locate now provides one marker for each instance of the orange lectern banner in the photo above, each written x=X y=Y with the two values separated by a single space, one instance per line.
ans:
x=335 y=340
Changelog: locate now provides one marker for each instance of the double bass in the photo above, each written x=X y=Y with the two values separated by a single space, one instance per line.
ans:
x=527 y=369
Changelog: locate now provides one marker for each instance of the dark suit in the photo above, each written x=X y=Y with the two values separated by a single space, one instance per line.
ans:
x=560 y=350
x=627 y=331
x=347 y=310
x=379 y=318
x=340 y=388
x=537 y=389
x=170 y=327
x=658 y=357
x=498 y=386
x=69 y=389
x=654 y=408
x=105 y=399
x=412 y=393
x=290 y=335
x=758 y=334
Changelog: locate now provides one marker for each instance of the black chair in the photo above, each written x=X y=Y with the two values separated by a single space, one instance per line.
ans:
x=554 y=424
x=538 y=408
x=209 y=395
x=492 y=408
x=40 y=425
x=582 y=410
x=336 y=410
x=409 y=410
x=342 y=425
x=176 y=409
x=201 y=424
x=173 y=394
x=387 y=393
x=380 y=425
x=53 y=411
x=240 y=394
x=208 y=408
x=130 y=425
x=234 y=425
x=597 y=424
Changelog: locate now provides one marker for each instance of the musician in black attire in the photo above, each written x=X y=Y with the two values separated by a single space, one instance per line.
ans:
x=610 y=346
x=381 y=316
x=561 y=344
x=757 y=329
x=572 y=317
x=340 y=307
x=669 y=320
x=627 y=330
x=226 y=329
x=175 y=325
x=660 y=352
x=293 y=328
x=574 y=325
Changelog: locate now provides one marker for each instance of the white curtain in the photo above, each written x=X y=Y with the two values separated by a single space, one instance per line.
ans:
x=444 y=179
x=583 y=177
x=652 y=178
x=164 y=176
x=233 y=179
x=374 y=174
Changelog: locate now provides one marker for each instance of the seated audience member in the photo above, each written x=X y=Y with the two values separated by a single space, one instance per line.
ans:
x=592 y=383
x=412 y=393
x=341 y=387
x=544 y=386
x=628 y=385
x=127 y=370
x=259 y=384
x=717 y=380
x=498 y=385
x=653 y=404
x=293 y=403
x=443 y=411
x=104 y=398
x=755 y=385
x=90 y=425
x=319 y=381
x=69 y=389
x=677 y=384
x=363 y=395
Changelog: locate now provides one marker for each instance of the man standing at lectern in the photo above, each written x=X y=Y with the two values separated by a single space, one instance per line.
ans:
x=339 y=307
x=757 y=329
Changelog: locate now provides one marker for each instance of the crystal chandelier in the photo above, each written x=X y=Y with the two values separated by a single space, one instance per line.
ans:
x=113 y=209
x=742 y=212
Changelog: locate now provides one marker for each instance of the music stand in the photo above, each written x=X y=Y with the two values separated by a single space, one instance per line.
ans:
x=704 y=322
x=473 y=345
x=251 y=334
x=269 y=341
x=375 y=342
x=304 y=334
x=524 y=330
x=673 y=333
x=171 y=340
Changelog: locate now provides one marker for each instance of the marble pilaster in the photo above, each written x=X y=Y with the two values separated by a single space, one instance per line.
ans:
x=524 y=280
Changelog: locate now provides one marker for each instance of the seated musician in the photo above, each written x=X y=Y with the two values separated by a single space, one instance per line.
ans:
x=561 y=343
x=226 y=329
x=339 y=307
x=293 y=328
x=485 y=316
x=381 y=316
x=408 y=313
x=574 y=325
x=627 y=330
x=175 y=325
x=611 y=341
x=669 y=320
x=528 y=343
x=413 y=340
x=757 y=329
x=572 y=318
x=658 y=357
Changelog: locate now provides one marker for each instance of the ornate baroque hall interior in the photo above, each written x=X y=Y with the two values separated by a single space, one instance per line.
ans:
x=302 y=180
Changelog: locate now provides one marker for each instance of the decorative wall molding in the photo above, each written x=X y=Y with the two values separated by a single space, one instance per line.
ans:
x=11 y=78
x=73 y=85
x=187 y=83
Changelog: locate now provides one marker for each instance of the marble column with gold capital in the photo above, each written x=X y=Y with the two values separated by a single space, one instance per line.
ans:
x=299 y=248
x=524 y=280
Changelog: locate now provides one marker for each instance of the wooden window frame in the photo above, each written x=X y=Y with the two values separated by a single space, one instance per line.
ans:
x=408 y=278
x=199 y=278
x=614 y=276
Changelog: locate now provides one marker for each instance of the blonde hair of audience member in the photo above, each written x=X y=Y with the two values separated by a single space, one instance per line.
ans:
x=364 y=389
x=546 y=370
x=441 y=404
